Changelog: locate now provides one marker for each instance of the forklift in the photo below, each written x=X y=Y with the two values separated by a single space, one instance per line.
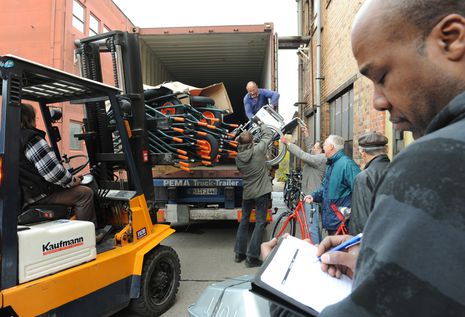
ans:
x=51 y=265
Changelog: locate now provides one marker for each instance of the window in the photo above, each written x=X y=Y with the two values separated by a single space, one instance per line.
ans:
x=94 y=25
x=74 y=128
x=342 y=118
x=106 y=29
x=78 y=16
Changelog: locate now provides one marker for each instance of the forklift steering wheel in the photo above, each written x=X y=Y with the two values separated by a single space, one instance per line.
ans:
x=77 y=169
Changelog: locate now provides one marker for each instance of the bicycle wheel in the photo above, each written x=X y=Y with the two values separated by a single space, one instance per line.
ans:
x=283 y=226
x=276 y=150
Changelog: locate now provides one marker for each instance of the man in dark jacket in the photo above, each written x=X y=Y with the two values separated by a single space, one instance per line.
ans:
x=43 y=179
x=256 y=182
x=335 y=191
x=411 y=259
x=372 y=148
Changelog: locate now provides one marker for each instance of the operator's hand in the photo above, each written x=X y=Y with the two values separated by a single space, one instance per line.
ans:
x=308 y=199
x=77 y=180
x=266 y=247
x=304 y=131
x=284 y=140
x=338 y=262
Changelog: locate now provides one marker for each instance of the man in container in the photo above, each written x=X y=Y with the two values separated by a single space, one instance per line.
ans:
x=256 y=98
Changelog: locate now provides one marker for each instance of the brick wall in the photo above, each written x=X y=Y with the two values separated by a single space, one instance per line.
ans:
x=44 y=33
x=339 y=69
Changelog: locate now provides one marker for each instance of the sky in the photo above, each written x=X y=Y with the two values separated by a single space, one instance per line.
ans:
x=283 y=14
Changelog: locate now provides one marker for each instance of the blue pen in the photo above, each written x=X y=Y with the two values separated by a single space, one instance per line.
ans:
x=347 y=244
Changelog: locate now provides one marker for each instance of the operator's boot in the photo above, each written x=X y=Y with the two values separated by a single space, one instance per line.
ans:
x=100 y=234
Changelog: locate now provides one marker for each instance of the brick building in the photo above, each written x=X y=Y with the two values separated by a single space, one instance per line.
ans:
x=329 y=81
x=45 y=32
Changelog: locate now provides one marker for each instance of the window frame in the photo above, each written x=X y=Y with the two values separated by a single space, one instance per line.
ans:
x=341 y=109
x=80 y=21
x=91 y=29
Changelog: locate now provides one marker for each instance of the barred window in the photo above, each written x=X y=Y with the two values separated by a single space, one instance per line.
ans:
x=342 y=118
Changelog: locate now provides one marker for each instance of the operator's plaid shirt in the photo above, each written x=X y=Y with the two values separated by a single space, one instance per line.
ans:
x=39 y=153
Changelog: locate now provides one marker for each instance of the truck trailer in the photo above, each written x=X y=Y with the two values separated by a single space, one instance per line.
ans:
x=225 y=57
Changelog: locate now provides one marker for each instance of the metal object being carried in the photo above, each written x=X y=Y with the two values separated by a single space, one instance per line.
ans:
x=268 y=116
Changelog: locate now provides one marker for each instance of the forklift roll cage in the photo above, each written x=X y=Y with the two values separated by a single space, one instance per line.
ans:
x=25 y=80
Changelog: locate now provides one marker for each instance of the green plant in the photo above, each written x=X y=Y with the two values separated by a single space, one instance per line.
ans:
x=283 y=169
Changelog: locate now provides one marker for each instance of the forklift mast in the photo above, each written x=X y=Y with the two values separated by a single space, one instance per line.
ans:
x=125 y=56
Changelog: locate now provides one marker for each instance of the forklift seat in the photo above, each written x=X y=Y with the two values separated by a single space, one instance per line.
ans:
x=37 y=213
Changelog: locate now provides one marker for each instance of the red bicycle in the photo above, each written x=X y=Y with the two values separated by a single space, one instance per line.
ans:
x=287 y=222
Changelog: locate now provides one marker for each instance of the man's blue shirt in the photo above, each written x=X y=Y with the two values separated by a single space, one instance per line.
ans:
x=265 y=96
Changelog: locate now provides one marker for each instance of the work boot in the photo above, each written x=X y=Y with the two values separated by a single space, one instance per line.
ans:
x=252 y=262
x=101 y=233
x=239 y=257
x=99 y=237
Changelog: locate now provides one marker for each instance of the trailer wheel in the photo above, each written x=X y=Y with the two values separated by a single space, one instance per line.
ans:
x=159 y=282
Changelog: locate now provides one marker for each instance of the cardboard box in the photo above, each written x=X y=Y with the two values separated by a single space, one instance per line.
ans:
x=217 y=92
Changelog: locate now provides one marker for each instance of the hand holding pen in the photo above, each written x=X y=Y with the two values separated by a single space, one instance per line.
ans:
x=338 y=263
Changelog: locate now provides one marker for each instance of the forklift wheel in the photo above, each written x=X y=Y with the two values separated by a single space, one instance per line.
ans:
x=159 y=282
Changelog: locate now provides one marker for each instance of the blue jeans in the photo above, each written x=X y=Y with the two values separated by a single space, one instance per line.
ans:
x=242 y=232
x=312 y=211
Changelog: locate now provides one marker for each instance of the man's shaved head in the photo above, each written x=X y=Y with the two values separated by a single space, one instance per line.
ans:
x=414 y=53
x=422 y=14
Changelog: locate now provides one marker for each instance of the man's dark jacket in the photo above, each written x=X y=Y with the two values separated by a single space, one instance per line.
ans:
x=251 y=162
x=362 y=195
x=412 y=258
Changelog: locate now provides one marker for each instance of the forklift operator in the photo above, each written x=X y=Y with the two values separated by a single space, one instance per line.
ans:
x=43 y=179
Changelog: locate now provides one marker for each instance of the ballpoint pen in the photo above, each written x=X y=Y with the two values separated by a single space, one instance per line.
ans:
x=345 y=245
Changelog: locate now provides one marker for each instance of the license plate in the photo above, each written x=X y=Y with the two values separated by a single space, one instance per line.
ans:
x=204 y=191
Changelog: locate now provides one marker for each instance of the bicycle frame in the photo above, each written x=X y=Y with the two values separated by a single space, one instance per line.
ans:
x=303 y=223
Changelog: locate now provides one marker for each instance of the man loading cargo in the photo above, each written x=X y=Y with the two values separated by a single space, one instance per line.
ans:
x=43 y=179
x=250 y=161
x=257 y=98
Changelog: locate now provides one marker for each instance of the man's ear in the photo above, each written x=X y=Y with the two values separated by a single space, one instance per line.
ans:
x=449 y=33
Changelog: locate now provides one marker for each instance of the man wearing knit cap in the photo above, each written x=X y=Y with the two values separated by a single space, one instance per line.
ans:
x=372 y=147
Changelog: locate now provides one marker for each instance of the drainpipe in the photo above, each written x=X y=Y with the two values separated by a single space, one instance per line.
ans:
x=318 y=76
x=300 y=66
x=300 y=80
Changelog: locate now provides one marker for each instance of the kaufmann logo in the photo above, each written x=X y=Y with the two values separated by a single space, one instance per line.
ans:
x=50 y=247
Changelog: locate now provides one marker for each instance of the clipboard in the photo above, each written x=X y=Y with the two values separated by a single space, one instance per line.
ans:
x=292 y=278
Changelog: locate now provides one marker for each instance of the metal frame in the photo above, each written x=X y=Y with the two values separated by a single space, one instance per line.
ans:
x=25 y=80
x=124 y=50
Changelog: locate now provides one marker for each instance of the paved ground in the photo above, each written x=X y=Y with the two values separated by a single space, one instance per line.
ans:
x=206 y=254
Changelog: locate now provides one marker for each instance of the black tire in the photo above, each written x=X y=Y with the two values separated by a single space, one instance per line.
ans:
x=213 y=144
x=201 y=101
x=275 y=152
x=160 y=278
x=290 y=228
